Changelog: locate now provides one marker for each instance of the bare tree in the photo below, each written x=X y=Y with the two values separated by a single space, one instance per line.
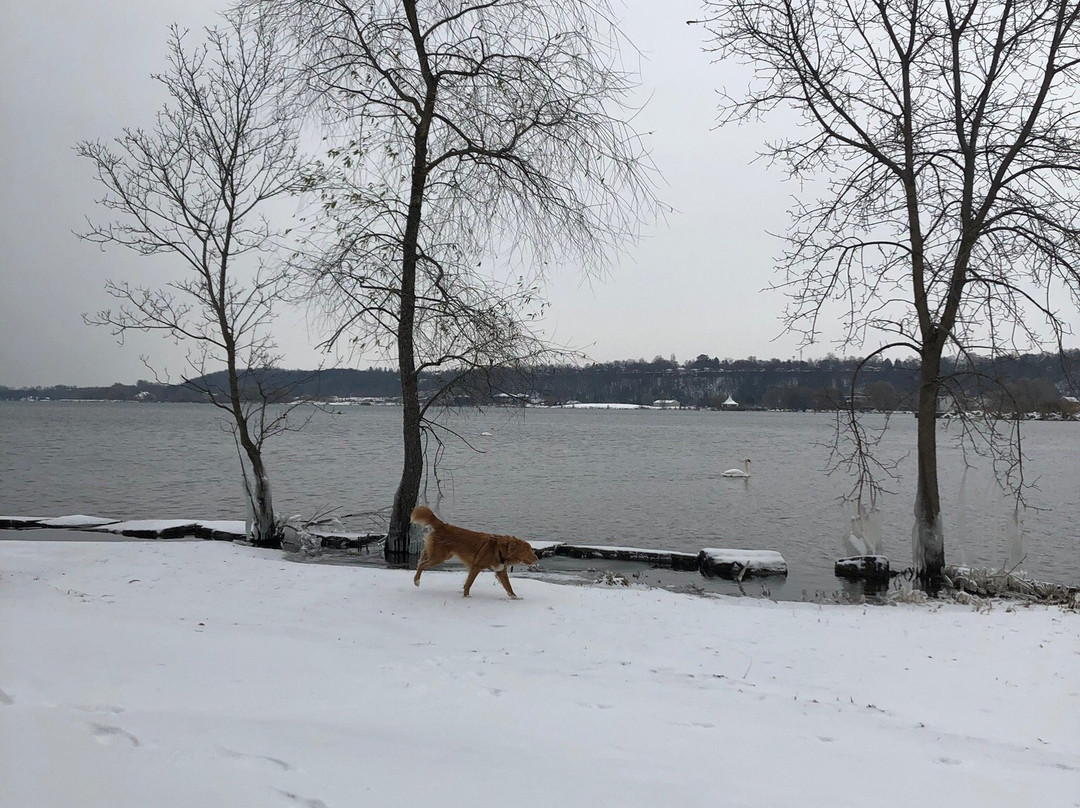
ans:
x=942 y=137
x=471 y=131
x=194 y=187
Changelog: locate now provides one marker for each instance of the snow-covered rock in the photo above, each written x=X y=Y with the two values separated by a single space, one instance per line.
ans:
x=77 y=521
x=543 y=549
x=661 y=558
x=733 y=563
x=873 y=568
x=221 y=529
x=18 y=522
x=150 y=528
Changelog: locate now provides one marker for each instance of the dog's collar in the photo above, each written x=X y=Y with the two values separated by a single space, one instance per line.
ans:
x=499 y=567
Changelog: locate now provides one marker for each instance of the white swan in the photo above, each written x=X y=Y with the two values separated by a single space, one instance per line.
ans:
x=743 y=472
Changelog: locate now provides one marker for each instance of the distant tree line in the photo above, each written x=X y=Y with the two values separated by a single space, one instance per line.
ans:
x=1030 y=383
x=291 y=385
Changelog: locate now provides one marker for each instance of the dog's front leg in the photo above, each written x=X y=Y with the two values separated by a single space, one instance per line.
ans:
x=473 y=572
x=504 y=579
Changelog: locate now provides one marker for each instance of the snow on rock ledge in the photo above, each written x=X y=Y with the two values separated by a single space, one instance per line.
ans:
x=19 y=522
x=731 y=563
x=662 y=558
x=77 y=520
x=221 y=529
x=545 y=549
x=151 y=528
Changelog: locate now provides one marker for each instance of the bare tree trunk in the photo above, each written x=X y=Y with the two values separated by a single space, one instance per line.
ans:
x=408 y=490
x=264 y=530
x=397 y=536
x=928 y=539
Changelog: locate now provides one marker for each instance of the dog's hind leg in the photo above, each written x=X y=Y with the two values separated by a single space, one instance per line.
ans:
x=504 y=579
x=421 y=565
x=430 y=556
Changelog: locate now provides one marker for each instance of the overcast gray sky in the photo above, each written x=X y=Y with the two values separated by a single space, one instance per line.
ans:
x=77 y=70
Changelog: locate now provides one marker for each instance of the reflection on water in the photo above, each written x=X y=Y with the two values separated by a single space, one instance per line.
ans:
x=639 y=478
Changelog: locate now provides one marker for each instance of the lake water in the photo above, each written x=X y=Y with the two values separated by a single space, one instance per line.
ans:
x=644 y=478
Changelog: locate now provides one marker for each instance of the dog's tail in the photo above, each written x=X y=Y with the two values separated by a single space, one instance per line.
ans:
x=423 y=515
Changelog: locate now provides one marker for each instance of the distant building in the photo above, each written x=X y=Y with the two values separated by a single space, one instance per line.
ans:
x=861 y=402
x=666 y=404
x=510 y=399
x=730 y=404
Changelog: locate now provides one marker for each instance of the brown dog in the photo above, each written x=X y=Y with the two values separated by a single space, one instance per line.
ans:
x=479 y=551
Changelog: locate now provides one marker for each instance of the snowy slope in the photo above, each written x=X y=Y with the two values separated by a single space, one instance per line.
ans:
x=206 y=674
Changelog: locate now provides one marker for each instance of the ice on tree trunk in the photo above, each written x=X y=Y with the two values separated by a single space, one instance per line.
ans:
x=925 y=538
x=260 y=512
x=863 y=537
x=1017 y=553
x=961 y=519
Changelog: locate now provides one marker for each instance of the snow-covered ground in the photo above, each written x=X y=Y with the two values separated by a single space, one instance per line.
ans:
x=208 y=674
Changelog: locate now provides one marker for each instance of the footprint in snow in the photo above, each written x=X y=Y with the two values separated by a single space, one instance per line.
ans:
x=105 y=734
x=302 y=800
x=281 y=764
x=5 y=699
x=97 y=708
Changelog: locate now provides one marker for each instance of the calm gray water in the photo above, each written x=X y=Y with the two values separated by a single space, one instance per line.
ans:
x=627 y=477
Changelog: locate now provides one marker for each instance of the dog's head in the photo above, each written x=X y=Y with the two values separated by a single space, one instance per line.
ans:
x=512 y=550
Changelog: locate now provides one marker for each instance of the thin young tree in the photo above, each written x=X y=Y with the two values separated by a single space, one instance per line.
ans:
x=942 y=140
x=470 y=132
x=194 y=187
